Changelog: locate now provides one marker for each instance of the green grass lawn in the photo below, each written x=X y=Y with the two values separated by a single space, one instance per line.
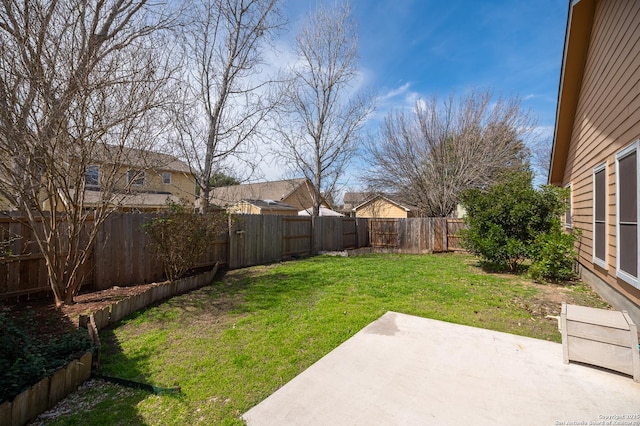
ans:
x=232 y=344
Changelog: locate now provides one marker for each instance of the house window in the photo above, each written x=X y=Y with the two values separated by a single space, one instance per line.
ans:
x=599 y=216
x=166 y=178
x=92 y=176
x=135 y=177
x=568 y=223
x=627 y=214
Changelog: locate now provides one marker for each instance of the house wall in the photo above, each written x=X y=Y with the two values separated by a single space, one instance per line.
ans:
x=247 y=208
x=182 y=184
x=379 y=208
x=243 y=208
x=4 y=204
x=301 y=198
x=607 y=120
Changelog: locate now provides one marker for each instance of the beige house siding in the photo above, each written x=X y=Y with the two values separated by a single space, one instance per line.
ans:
x=182 y=184
x=4 y=204
x=381 y=208
x=150 y=196
x=245 y=207
x=301 y=197
x=607 y=119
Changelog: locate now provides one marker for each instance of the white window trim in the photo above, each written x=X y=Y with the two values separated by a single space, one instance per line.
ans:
x=630 y=279
x=600 y=262
x=566 y=224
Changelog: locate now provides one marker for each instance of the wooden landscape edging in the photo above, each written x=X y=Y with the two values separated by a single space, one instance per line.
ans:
x=46 y=393
x=126 y=307
x=49 y=391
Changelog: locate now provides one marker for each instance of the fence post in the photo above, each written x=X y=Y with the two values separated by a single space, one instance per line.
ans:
x=314 y=237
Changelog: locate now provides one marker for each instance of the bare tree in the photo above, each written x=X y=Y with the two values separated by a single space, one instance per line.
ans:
x=323 y=114
x=435 y=152
x=541 y=158
x=226 y=98
x=81 y=83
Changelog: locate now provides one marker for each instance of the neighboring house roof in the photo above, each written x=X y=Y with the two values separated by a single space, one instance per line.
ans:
x=140 y=158
x=352 y=199
x=576 y=46
x=323 y=212
x=275 y=190
x=270 y=205
x=407 y=207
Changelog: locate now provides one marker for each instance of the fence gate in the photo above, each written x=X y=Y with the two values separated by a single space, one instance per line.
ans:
x=349 y=234
x=383 y=233
x=296 y=235
x=454 y=240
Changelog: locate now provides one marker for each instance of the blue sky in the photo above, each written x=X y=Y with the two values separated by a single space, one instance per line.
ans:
x=419 y=48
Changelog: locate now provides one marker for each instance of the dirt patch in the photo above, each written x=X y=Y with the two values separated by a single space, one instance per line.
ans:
x=548 y=300
x=48 y=320
x=549 y=296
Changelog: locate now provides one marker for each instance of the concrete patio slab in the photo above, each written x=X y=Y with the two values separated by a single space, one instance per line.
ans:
x=406 y=370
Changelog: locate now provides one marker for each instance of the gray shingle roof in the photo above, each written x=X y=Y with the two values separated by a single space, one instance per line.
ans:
x=139 y=158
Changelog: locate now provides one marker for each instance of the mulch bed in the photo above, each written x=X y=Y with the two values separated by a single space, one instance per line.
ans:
x=49 y=320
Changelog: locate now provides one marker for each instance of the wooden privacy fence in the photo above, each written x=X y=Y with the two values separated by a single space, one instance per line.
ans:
x=122 y=256
x=22 y=267
x=123 y=253
x=257 y=239
x=415 y=235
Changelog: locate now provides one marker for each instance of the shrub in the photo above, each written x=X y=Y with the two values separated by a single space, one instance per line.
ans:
x=181 y=237
x=508 y=221
x=25 y=359
x=555 y=256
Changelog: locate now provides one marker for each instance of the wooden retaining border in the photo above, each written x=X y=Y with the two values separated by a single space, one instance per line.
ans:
x=125 y=307
x=46 y=393
x=51 y=390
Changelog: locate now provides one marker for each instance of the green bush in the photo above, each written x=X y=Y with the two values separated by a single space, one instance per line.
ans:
x=25 y=359
x=554 y=257
x=511 y=223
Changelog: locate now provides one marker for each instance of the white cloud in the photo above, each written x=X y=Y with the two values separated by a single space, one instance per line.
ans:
x=395 y=92
x=397 y=98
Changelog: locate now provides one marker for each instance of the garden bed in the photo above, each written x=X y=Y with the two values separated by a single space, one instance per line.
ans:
x=48 y=323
